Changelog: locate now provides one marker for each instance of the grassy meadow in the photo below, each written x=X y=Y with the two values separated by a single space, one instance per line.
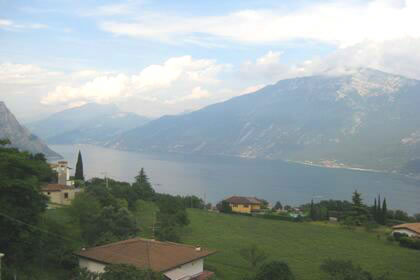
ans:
x=302 y=245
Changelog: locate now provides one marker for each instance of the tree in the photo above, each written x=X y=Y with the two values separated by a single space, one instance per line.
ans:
x=384 y=214
x=417 y=217
x=21 y=202
x=224 y=207
x=278 y=206
x=142 y=188
x=312 y=211
x=374 y=210
x=78 y=175
x=253 y=255
x=357 y=199
x=274 y=270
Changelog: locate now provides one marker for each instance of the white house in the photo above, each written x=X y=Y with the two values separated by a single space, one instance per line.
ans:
x=175 y=261
x=412 y=229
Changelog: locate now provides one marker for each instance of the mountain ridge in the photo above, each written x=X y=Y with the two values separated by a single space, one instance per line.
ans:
x=20 y=137
x=365 y=119
x=91 y=123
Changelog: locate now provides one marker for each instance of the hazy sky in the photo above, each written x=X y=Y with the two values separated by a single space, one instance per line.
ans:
x=168 y=57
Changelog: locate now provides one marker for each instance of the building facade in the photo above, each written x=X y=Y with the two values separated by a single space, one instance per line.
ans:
x=175 y=261
x=242 y=204
x=411 y=229
x=60 y=194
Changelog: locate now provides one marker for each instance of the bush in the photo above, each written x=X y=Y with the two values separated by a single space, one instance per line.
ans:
x=399 y=235
x=408 y=242
x=390 y=238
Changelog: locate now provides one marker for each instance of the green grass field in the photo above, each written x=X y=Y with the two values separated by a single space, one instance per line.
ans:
x=302 y=245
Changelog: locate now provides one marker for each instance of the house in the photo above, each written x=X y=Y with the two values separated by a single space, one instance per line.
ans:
x=175 y=261
x=412 y=229
x=63 y=172
x=242 y=204
x=60 y=194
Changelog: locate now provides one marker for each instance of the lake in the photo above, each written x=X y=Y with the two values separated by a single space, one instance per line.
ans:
x=214 y=178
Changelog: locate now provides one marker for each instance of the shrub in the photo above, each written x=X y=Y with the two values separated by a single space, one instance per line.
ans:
x=408 y=242
x=399 y=235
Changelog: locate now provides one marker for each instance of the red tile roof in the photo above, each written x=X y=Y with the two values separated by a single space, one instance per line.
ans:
x=243 y=200
x=415 y=227
x=144 y=253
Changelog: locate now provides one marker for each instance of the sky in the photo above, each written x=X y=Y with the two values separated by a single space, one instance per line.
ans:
x=169 y=57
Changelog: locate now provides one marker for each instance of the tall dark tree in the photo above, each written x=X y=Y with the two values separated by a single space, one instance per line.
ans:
x=78 y=175
x=357 y=199
x=384 y=213
x=312 y=210
x=375 y=212
x=142 y=187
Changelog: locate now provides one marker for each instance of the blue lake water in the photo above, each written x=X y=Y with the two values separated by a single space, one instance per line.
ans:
x=214 y=178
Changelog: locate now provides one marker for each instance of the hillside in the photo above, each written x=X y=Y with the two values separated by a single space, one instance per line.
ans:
x=89 y=124
x=365 y=119
x=20 y=137
x=303 y=246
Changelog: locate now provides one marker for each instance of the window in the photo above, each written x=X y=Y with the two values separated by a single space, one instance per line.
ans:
x=48 y=193
x=66 y=195
x=246 y=205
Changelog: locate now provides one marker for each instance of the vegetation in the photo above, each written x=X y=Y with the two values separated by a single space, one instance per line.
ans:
x=78 y=175
x=117 y=272
x=275 y=270
x=303 y=245
x=346 y=270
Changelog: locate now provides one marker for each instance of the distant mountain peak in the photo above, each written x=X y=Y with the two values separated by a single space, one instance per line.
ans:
x=19 y=136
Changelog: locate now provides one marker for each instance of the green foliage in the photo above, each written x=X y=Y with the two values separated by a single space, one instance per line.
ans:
x=346 y=270
x=142 y=187
x=275 y=270
x=278 y=206
x=303 y=245
x=118 y=272
x=128 y=272
x=253 y=255
x=21 y=201
x=408 y=242
x=171 y=217
x=224 y=207
x=357 y=199
x=78 y=175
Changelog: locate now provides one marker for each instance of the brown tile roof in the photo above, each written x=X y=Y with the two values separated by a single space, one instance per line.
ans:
x=144 y=253
x=243 y=200
x=55 y=188
x=415 y=227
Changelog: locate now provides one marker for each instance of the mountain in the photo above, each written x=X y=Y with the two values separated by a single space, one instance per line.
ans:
x=363 y=119
x=20 y=137
x=90 y=124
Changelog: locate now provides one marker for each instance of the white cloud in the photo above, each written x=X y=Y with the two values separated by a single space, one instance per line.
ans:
x=25 y=74
x=11 y=25
x=340 y=23
x=178 y=79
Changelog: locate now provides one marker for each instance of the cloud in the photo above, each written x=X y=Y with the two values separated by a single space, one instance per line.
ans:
x=25 y=74
x=11 y=25
x=177 y=79
x=339 y=23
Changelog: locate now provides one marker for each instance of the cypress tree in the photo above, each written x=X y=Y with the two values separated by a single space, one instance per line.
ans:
x=78 y=175
x=312 y=210
x=384 y=212
x=375 y=213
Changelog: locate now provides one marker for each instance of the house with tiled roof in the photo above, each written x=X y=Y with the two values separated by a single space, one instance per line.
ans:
x=243 y=204
x=411 y=229
x=175 y=261
x=60 y=194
